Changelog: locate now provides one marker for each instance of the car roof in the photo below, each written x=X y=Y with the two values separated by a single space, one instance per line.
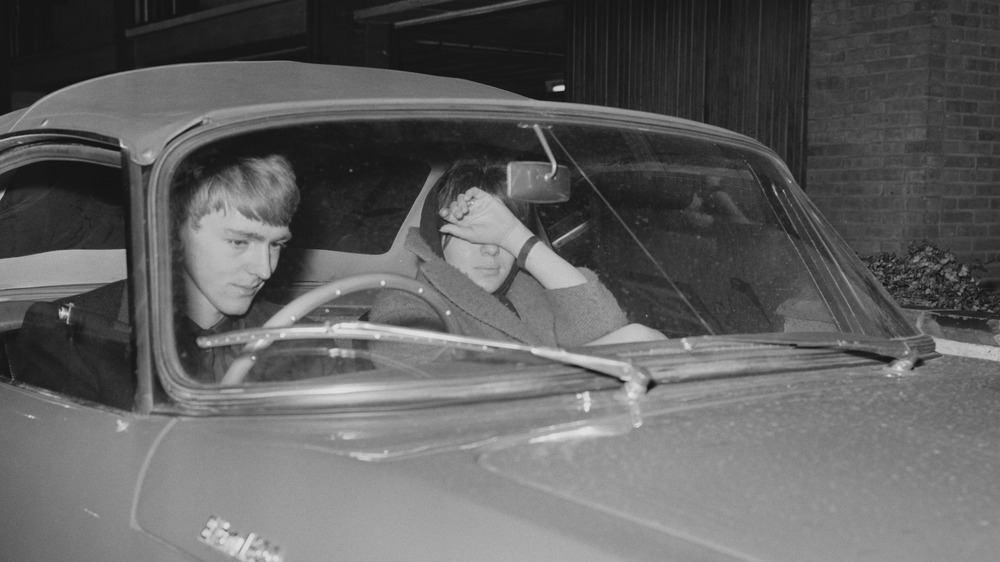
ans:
x=143 y=109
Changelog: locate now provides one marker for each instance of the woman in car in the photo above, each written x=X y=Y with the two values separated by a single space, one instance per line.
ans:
x=475 y=248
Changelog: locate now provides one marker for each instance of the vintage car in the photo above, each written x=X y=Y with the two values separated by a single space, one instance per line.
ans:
x=791 y=412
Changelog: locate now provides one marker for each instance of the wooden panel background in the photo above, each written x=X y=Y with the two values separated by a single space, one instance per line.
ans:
x=738 y=64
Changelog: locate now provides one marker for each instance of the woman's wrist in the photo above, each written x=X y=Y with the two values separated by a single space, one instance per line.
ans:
x=522 y=256
x=515 y=240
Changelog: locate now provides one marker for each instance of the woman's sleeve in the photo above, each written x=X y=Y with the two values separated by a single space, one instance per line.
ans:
x=585 y=312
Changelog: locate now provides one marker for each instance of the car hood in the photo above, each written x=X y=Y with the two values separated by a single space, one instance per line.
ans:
x=840 y=464
x=886 y=469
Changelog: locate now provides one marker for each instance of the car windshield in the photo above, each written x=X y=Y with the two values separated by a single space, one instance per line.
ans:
x=693 y=234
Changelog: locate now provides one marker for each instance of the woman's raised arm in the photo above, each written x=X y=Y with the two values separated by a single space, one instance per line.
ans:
x=480 y=218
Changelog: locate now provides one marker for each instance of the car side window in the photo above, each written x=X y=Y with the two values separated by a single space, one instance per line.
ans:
x=49 y=206
x=62 y=257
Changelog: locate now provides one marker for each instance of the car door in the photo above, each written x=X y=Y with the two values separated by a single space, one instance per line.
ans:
x=70 y=463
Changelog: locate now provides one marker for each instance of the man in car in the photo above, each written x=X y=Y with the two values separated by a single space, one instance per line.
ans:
x=230 y=217
x=231 y=221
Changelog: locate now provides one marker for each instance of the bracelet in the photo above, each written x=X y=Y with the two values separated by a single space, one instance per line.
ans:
x=522 y=256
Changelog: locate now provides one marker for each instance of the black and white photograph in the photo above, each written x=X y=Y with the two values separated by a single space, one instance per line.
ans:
x=500 y=280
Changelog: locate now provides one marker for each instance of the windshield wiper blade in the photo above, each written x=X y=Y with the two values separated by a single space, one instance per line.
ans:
x=903 y=354
x=636 y=379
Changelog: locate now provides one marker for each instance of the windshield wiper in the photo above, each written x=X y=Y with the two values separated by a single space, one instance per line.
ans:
x=904 y=353
x=636 y=379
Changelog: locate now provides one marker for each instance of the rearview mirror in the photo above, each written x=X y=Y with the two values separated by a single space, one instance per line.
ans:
x=534 y=182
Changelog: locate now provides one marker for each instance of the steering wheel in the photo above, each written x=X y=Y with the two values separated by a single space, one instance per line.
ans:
x=313 y=299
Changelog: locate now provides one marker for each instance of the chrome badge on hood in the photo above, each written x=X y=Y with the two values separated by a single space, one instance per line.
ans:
x=219 y=535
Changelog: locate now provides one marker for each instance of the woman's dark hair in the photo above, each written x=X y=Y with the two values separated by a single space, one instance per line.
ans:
x=488 y=175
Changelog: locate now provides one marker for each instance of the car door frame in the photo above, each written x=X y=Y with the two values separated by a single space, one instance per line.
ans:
x=78 y=464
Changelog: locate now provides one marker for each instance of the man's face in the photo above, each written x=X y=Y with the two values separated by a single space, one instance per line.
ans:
x=227 y=259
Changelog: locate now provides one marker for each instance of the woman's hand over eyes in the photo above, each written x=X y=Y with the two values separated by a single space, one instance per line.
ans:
x=478 y=217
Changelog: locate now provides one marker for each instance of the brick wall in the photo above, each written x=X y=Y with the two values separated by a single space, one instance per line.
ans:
x=904 y=123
